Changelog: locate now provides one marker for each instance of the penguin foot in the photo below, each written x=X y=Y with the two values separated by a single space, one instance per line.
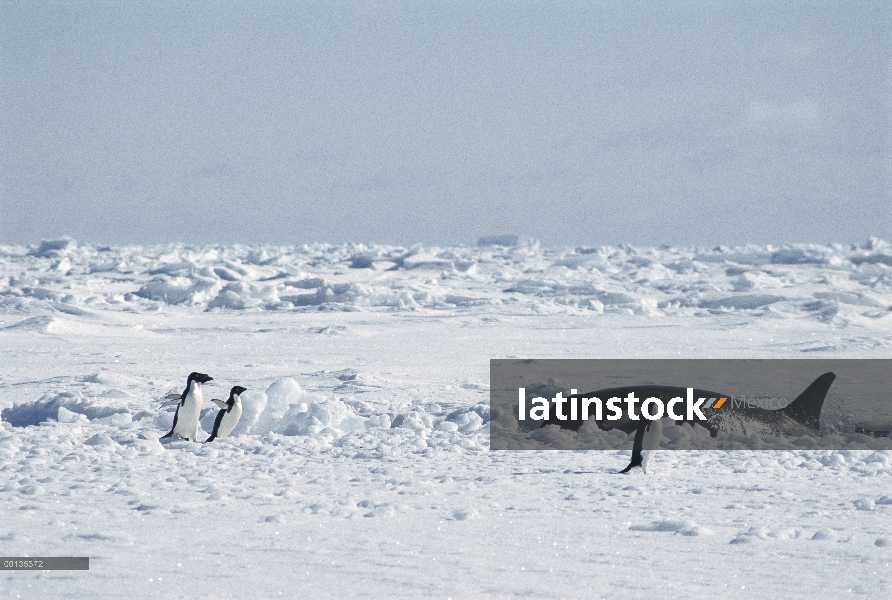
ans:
x=632 y=465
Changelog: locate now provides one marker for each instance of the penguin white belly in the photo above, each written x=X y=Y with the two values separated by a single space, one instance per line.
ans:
x=189 y=413
x=229 y=420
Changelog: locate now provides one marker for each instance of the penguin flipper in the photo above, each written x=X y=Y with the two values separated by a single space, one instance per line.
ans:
x=173 y=397
x=220 y=403
x=169 y=403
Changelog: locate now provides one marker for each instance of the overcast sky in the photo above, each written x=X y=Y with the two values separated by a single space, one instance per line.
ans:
x=650 y=123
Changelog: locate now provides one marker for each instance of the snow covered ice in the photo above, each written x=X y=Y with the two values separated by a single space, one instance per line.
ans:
x=361 y=465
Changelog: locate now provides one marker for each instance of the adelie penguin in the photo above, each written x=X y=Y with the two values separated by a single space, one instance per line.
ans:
x=185 y=419
x=230 y=413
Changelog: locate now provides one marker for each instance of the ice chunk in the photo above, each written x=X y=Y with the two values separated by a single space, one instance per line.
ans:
x=179 y=290
x=47 y=409
x=240 y=295
x=66 y=416
x=40 y=323
x=742 y=302
x=54 y=248
x=117 y=419
x=100 y=439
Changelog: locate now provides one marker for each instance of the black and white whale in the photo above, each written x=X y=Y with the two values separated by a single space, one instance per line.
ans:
x=185 y=419
x=229 y=415
x=798 y=418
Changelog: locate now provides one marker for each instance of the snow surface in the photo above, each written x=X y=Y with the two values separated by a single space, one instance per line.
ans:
x=361 y=466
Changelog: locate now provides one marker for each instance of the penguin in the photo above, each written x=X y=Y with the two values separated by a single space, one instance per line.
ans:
x=230 y=413
x=185 y=419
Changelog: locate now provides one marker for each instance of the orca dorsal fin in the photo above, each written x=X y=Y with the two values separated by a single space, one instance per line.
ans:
x=806 y=407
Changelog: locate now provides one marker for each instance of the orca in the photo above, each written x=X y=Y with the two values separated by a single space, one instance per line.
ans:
x=185 y=419
x=800 y=417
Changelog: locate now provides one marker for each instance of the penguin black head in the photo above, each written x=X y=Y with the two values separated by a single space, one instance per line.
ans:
x=199 y=377
x=237 y=390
